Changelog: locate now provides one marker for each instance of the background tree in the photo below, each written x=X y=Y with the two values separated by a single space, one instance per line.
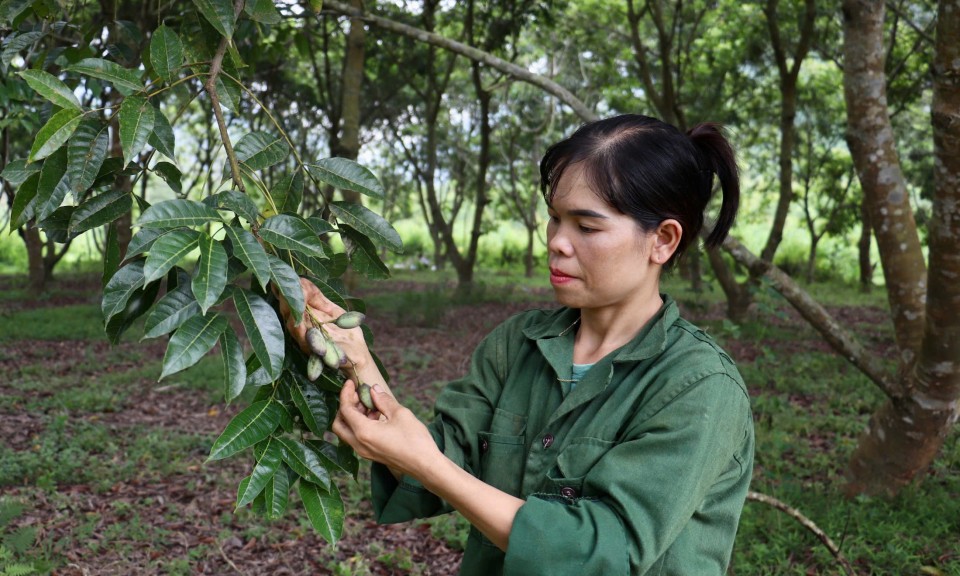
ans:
x=906 y=433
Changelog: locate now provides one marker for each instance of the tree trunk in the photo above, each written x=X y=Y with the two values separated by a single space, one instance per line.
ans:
x=528 y=254
x=871 y=141
x=863 y=248
x=812 y=258
x=739 y=300
x=907 y=432
x=36 y=271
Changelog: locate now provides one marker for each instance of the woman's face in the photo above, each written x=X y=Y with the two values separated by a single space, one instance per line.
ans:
x=599 y=257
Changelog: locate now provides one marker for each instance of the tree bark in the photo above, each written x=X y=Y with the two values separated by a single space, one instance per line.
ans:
x=907 y=432
x=863 y=249
x=871 y=141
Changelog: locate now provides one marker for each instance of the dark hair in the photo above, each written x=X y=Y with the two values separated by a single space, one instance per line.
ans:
x=649 y=170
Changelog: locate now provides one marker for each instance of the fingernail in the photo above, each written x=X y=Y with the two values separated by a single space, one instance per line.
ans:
x=377 y=389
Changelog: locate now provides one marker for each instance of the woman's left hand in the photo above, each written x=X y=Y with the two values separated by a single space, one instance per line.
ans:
x=391 y=434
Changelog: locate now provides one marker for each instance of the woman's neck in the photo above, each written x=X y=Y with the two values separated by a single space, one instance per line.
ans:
x=603 y=330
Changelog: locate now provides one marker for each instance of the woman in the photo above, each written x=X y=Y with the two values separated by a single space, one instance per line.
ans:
x=608 y=436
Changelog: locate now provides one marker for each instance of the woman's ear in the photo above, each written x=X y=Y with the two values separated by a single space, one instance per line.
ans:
x=666 y=239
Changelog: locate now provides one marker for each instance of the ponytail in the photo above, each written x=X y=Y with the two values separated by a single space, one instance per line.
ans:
x=717 y=157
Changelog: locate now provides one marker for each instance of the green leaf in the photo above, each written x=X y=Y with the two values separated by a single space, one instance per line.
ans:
x=10 y=9
x=229 y=94
x=56 y=225
x=291 y=233
x=250 y=426
x=167 y=251
x=286 y=278
x=111 y=254
x=288 y=193
x=263 y=330
x=259 y=150
x=86 y=152
x=249 y=251
x=363 y=254
x=55 y=133
x=277 y=492
x=368 y=223
x=346 y=175
x=324 y=508
x=162 y=137
x=313 y=408
x=17 y=171
x=136 y=124
x=143 y=240
x=16 y=44
x=177 y=213
x=262 y=11
x=211 y=275
x=234 y=367
x=53 y=185
x=170 y=312
x=237 y=202
x=24 y=202
x=127 y=81
x=341 y=456
x=138 y=303
x=219 y=13
x=51 y=88
x=166 y=52
x=119 y=289
x=169 y=174
x=191 y=342
x=319 y=225
x=268 y=464
x=99 y=210
x=305 y=461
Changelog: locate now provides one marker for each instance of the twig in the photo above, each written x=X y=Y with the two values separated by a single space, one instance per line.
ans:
x=229 y=561
x=216 y=65
x=806 y=523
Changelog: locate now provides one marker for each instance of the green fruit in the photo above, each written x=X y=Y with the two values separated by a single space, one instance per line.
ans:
x=317 y=341
x=366 y=397
x=349 y=319
x=314 y=367
x=333 y=355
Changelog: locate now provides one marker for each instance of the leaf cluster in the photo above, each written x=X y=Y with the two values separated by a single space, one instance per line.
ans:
x=193 y=265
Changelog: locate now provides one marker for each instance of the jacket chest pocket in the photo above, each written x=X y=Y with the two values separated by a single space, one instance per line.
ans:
x=502 y=452
x=574 y=462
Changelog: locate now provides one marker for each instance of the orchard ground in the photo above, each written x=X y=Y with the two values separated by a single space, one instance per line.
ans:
x=102 y=468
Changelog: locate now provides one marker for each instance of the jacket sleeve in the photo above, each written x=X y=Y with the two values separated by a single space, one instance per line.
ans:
x=464 y=407
x=695 y=452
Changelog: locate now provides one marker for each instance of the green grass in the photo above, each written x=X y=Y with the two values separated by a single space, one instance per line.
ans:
x=809 y=406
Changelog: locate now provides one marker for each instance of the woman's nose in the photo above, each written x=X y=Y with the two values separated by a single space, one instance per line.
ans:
x=557 y=242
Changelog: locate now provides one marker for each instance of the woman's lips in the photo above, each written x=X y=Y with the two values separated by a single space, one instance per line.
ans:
x=557 y=277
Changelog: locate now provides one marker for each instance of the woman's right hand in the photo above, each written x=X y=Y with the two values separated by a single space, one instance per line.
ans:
x=350 y=340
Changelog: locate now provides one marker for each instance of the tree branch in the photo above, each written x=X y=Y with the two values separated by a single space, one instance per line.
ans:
x=806 y=523
x=470 y=52
x=811 y=310
x=216 y=66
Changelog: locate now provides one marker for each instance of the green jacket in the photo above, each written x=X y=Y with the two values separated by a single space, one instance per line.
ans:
x=642 y=469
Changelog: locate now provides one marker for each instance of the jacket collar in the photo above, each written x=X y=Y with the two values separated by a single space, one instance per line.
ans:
x=560 y=328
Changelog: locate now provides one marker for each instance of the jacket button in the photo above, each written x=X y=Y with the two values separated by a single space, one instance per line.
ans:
x=568 y=492
x=484 y=446
x=548 y=440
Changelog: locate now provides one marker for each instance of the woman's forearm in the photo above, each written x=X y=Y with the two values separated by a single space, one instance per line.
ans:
x=488 y=509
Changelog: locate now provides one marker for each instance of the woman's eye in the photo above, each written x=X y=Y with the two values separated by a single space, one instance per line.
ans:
x=587 y=230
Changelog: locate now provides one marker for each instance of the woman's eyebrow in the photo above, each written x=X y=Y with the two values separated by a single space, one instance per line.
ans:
x=587 y=213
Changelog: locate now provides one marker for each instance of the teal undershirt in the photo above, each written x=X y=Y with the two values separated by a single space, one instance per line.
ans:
x=576 y=374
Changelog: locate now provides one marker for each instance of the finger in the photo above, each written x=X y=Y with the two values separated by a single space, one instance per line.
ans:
x=383 y=401
x=316 y=299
